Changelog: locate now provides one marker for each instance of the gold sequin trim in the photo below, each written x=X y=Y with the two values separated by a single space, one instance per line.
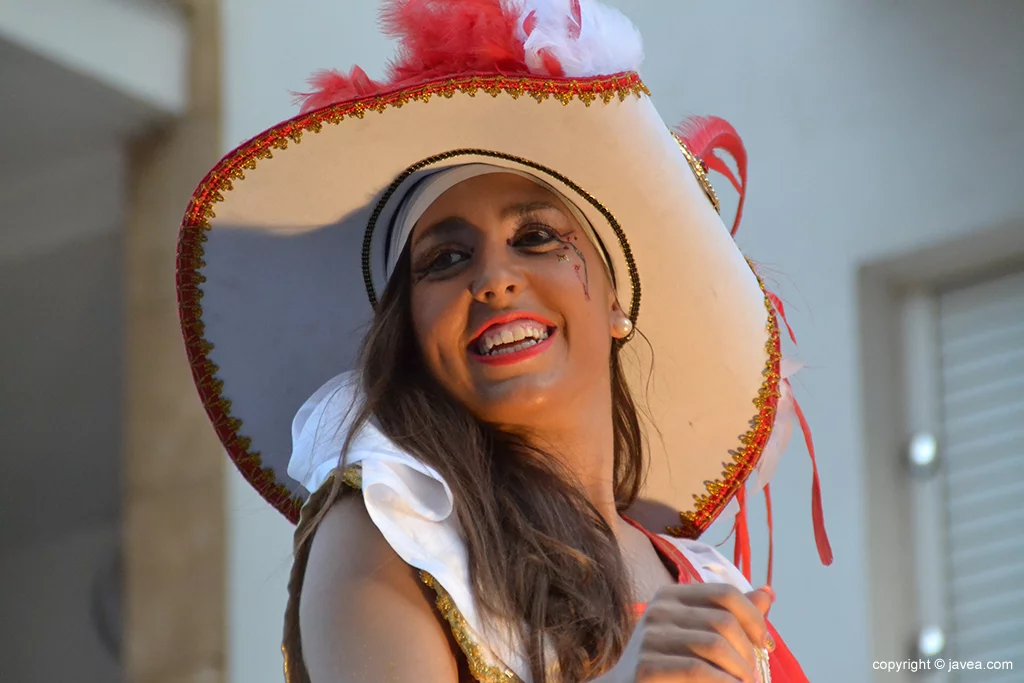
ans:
x=700 y=169
x=735 y=473
x=478 y=666
x=288 y=678
x=764 y=668
x=353 y=476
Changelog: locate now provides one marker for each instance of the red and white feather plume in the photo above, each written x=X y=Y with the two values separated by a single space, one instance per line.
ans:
x=706 y=136
x=445 y=38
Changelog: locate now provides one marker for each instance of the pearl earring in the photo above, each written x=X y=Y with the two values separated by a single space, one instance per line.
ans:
x=622 y=327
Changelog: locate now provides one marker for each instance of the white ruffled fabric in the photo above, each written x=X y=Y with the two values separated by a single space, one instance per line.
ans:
x=412 y=507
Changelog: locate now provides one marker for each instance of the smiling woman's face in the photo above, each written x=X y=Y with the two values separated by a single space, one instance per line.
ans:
x=512 y=305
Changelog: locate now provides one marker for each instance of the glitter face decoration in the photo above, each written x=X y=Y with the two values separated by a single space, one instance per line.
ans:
x=534 y=235
x=568 y=240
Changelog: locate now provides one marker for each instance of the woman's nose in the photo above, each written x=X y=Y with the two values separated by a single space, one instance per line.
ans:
x=497 y=280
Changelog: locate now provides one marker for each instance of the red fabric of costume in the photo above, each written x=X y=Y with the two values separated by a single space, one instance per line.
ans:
x=784 y=666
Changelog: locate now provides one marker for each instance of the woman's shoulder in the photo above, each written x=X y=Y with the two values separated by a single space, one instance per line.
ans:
x=347 y=545
x=361 y=606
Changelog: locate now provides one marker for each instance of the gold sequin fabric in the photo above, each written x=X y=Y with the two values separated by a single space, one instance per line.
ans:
x=353 y=476
x=481 y=670
x=763 y=668
x=700 y=170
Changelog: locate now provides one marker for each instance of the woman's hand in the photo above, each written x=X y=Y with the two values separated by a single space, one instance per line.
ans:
x=702 y=633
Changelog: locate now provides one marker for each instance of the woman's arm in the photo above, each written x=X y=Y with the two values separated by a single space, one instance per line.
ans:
x=364 y=615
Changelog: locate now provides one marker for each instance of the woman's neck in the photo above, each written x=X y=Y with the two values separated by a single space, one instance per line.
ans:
x=581 y=435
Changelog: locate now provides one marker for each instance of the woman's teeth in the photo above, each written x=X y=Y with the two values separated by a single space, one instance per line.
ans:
x=512 y=349
x=512 y=339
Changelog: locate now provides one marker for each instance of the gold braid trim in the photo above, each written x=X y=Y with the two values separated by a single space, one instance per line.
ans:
x=478 y=666
x=764 y=668
x=353 y=476
x=291 y=644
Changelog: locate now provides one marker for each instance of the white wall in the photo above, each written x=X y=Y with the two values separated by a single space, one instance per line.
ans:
x=874 y=129
x=138 y=48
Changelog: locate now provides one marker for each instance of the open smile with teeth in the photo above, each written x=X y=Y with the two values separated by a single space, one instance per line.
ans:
x=511 y=337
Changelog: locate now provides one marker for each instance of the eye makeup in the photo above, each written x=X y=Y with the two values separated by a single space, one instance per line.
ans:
x=568 y=241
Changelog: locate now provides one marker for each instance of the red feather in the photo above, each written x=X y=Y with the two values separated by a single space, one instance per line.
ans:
x=741 y=547
x=817 y=515
x=530 y=23
x=551 y=63
x=771 y=531
x=781 y=308
x=704 y=135
x=334 y=86
x=436 y=38
x=575 y=19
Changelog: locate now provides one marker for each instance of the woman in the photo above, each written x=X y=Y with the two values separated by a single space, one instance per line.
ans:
x=484 y=503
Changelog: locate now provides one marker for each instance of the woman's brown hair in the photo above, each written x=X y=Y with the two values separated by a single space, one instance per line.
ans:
x=568 y=585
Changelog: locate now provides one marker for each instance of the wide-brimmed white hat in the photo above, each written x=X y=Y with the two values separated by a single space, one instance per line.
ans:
x=283 y=247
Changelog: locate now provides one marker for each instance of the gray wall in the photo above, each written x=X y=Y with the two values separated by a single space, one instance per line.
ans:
x=61 y=343
x=875 y=129
x=78 y=79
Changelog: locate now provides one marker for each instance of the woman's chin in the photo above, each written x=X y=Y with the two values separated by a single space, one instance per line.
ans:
x=516 y=399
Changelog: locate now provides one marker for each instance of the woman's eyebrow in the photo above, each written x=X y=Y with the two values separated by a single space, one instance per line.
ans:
x=444 y=228
x=527 y=208
x=447 y=227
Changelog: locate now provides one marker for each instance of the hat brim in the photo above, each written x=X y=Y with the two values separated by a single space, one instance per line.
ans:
x=277 y=269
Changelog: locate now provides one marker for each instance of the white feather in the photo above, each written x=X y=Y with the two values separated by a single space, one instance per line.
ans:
x=608 y=42
x=731 y=509
x=782 y=430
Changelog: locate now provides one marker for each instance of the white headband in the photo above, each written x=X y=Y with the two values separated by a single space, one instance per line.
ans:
x=426 y=191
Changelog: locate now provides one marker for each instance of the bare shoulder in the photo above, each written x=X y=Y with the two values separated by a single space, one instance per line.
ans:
x=362 y=608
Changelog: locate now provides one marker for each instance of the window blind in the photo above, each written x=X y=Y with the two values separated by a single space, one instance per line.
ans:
x=981 y=346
